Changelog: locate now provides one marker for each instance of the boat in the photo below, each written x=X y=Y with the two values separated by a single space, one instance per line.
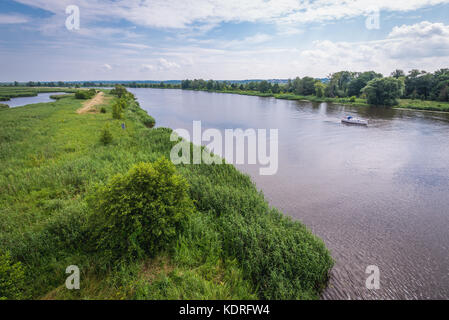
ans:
x=352 y=120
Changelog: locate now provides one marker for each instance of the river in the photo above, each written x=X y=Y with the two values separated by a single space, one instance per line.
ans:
x=22 y=101
x=377 y=195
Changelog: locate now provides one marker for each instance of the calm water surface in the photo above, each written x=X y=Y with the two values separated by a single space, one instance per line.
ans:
x=377 y=195
x=18 y=102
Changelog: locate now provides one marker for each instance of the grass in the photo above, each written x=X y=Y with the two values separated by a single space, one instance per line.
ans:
x=6 y=93
x=424 y=105
x=235 y=245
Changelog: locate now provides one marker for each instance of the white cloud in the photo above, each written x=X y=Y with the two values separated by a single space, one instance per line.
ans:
x=165 y=64
x=209 y=13
x=106 y=67
x=423 y=45
x=424 y=29
x=12 y=19
x=147 y=67
x=134 y=45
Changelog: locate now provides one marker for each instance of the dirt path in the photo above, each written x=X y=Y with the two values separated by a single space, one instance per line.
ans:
x=89 y=104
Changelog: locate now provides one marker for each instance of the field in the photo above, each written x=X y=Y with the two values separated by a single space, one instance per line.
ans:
x=235 y=246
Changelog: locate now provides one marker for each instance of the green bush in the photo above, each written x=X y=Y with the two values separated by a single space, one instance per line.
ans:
x=3 y=106
x=106 y=135
x=85 y=94
x=103 y=110
x=12 y=278
x=352 y=99
x=142 y=211
x=119 y=91
x=118 y=107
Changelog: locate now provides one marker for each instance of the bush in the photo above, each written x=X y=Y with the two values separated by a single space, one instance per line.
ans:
x=3 y=106
x=12 y=278
x=117 y=108
x=85 y=94
x=141 y=212
x=119 y=91
x=352 y=99
x=103 y=110
x=106 y=135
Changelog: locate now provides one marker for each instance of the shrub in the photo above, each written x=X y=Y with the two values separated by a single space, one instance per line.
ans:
x=3 y=106
x=85 y=94
x=119 y=91
x=141 y=212
x=103 y=110
x=12 y=278
x=352 y=99
x=106 y=135
x=117 y=108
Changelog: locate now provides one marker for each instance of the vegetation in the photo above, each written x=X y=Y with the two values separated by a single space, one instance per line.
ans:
x=6 y=93
x=85 y=94
x=106 y=135
x=3 y=106
x=357 y=88
x=61 y=194
x=140 y=213
x=61 y=96
x=12 y=278
x=384 y=91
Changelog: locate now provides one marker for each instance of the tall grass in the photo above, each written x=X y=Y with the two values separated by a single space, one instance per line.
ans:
x=235 y=246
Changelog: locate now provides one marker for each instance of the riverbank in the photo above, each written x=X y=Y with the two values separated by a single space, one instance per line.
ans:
x=423 y=105
x=6 y=93
x=233 y=247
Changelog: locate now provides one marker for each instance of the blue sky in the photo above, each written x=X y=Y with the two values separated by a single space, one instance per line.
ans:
x=172 y=39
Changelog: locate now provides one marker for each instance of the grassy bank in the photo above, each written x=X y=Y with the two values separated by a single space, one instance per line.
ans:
x=6 y=93
x=403 y=103
x=423 y=105
x=234 y=246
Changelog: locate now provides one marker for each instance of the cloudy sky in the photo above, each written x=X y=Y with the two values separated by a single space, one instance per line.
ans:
x=218 y=39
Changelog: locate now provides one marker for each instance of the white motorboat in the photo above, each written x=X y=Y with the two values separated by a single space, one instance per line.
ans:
x=352 y=120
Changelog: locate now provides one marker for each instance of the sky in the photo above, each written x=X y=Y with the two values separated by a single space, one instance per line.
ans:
x=40 y=40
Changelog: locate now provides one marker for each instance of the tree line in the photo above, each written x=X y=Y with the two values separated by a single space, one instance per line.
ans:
x=374 y=87
x=369 y=85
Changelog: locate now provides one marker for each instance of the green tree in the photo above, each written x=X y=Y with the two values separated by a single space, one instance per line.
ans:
x=384 y=91
x=319 y=89
x=398 y=74
x=360 y=81
x=264 y=86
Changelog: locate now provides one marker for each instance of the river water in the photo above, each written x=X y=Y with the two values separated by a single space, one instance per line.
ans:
x=377 y=195
x=22 y=101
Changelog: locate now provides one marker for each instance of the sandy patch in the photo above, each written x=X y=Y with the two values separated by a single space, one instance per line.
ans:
x=88 y=106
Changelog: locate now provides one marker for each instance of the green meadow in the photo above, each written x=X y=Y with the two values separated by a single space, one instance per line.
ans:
x=55 y=163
